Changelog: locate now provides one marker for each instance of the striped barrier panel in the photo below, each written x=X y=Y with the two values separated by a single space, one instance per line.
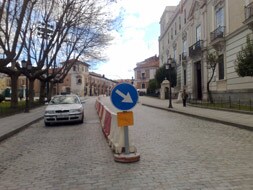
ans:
x=101 y=110
x=112 y=132
x=116 y=137
x=107 y=123
x=103 y=114
x=97 y=104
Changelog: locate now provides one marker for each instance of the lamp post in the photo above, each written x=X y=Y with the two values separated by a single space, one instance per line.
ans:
x=45 y=31
x=26 y=67
x=132 y=81
x=169 y=65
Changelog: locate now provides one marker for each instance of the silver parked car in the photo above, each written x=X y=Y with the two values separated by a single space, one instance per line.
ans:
x=64 y=108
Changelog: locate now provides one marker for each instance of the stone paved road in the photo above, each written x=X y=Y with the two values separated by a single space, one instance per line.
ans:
x=177 y=152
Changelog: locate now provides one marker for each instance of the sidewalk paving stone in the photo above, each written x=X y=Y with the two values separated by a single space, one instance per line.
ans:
x=237 y=119
x=13 y=124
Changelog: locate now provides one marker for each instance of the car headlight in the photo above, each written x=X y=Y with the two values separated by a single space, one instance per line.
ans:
x=49 y=112
x=76 y=110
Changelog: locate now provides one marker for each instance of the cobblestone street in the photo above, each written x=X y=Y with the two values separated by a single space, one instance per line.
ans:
x=177 y=152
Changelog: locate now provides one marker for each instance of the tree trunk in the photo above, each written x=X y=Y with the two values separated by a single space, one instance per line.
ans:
x=42 y=91
x=209 y=93
x=31 y=90
x=210 y=97
x=50 y=91
x=14 y=90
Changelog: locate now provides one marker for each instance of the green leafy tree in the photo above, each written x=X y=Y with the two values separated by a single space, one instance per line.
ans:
x=212 y=61
x=152 y=86
x=244 y=61
x=162 y=73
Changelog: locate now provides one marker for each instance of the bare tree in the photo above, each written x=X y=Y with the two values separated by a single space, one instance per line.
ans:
x=61 y=30
x=14 y=18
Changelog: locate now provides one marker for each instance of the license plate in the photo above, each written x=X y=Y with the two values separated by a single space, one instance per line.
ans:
x=61 y=116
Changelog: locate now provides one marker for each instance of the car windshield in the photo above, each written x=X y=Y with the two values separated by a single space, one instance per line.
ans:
x=65 y=100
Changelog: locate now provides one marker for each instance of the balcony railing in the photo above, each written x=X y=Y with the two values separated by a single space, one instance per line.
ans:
x=218 y=33
x=248 y=11
x=196 y=48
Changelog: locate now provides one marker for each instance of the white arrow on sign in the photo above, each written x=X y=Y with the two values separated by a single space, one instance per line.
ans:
x=126 y=98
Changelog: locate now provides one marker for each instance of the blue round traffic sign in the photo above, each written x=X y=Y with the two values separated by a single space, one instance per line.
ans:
x=124 y=96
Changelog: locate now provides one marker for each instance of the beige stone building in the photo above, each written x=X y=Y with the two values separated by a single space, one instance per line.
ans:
x=84 y=83
x=196 y=27
x=78 y=81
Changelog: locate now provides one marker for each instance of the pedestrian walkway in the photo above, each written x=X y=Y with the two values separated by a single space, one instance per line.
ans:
x=240 y=120
x=13 y=124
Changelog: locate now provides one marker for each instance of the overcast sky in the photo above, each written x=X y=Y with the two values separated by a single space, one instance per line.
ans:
x=138 y=38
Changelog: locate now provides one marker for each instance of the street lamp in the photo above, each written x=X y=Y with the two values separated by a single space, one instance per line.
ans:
x=45 y=31
x=132 y=81
x=169 y=66
x=26 y=67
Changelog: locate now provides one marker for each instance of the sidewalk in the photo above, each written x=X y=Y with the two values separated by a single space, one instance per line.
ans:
x=240 y=120
x=13 y=124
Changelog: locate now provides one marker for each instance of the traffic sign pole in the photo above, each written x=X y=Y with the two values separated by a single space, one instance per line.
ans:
x=124 y=97
x=126 y=137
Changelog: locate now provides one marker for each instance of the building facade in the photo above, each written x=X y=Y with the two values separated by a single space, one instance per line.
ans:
x=78 y=81
x=144 y=72
x=199 y=27
x=84 y=83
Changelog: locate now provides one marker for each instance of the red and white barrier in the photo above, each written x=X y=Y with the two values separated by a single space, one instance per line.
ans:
x=112 y=132
x=101 y=111
x=107 y=122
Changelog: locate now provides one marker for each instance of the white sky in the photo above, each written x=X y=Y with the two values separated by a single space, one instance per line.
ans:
x=138 y=38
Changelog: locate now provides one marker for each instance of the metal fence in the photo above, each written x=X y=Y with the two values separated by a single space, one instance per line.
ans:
x=221 y=103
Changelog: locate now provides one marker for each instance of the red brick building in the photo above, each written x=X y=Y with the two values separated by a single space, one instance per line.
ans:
x=145 y=71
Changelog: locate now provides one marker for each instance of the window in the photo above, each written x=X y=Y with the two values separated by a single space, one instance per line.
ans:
x=142 y=75
x=74 y=68
x=78 y=80
x=221 y=67
x=143 y=85
x=184 y=76
x=198 y=33
x=219 y=17
x=172 y=33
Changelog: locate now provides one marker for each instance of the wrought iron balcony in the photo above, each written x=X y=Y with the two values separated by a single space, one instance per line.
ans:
x=248 y=11
x=218 y=33
x=195 y=49
x=217 y=37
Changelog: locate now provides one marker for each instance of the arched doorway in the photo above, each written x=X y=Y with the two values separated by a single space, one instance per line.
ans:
x=164 y=92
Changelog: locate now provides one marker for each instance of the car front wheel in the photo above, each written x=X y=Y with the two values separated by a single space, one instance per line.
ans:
x=81 y=121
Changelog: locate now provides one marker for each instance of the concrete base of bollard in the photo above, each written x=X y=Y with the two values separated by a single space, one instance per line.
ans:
x=127 y=158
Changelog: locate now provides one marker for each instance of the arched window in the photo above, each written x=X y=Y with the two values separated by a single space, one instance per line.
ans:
x=78 y=80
